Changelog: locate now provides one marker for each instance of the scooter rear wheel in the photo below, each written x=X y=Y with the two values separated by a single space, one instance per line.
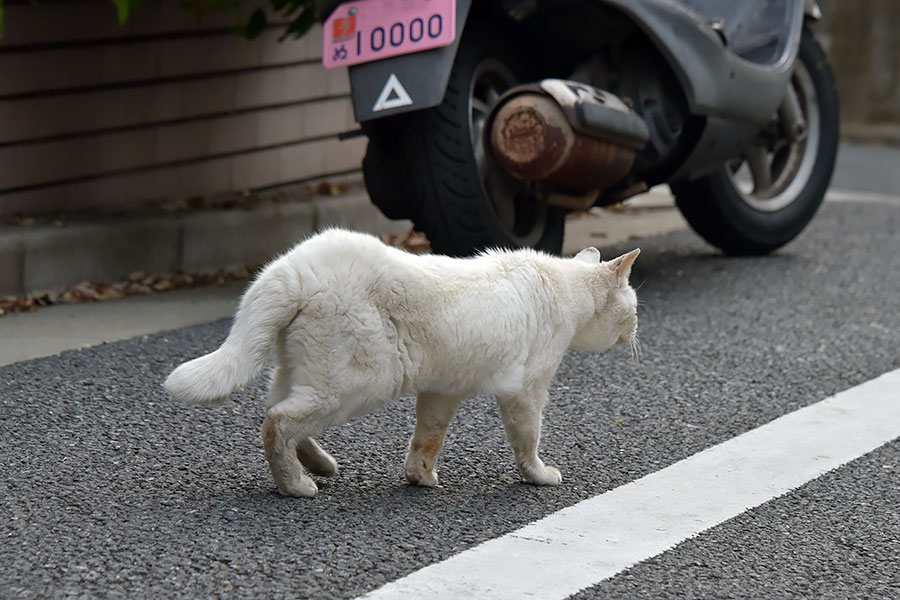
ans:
x=760 y=202
x=451 y=188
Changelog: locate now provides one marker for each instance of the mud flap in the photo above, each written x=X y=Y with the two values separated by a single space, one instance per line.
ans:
x=405 y=83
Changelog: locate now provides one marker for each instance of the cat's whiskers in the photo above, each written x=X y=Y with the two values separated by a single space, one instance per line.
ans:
x=635 y=347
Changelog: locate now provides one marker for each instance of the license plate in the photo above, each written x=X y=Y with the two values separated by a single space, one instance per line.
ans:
x=360 y=32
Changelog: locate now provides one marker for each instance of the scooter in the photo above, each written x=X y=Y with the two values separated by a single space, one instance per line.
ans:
x=489 y=120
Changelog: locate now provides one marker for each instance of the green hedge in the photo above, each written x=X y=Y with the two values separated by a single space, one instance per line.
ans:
x=301 y=14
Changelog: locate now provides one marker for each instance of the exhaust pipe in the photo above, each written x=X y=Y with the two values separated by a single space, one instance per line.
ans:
x=575 y=139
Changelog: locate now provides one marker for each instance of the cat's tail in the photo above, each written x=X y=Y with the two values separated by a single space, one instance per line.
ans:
x=268 y=306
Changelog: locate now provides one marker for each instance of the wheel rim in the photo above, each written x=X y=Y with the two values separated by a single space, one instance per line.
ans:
x=771 y=177
x=519 y=212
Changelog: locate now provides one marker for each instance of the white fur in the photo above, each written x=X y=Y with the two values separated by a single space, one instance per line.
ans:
x=354 y=323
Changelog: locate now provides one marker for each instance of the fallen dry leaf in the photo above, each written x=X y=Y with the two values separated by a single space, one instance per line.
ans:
x=182 y=280
x=138 y=283
x=326 y=188
x=412 y=241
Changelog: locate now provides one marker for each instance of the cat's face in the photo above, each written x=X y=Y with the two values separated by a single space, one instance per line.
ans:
x=614 y=320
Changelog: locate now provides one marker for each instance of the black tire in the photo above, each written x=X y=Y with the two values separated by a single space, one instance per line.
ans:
x=433 y=154
x=722 y=215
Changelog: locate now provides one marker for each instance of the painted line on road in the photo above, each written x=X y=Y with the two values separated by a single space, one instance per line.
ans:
x=867 y=197
x=661 y=197
x=581 y=545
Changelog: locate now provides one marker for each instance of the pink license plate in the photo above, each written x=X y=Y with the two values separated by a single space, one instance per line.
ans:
x=359 y=32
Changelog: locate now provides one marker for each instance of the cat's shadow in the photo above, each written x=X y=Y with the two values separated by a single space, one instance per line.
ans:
x=377 y=496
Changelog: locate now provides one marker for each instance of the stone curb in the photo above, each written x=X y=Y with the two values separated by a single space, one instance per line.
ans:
x=880 y=134
x=47 y=257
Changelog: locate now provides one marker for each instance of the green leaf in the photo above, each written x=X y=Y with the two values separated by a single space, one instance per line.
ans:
x=255 y=24
x=302 y=23
x=123 y=8
x=223 y=5
x=201 y=7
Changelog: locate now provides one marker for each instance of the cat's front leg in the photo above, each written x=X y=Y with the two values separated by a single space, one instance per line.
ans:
x=433 y=414
x=522 y=420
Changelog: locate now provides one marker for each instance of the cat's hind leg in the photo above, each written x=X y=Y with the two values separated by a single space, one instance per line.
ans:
x=522 y=419
x=315 y=458
x=289 y=423
x=433 y=414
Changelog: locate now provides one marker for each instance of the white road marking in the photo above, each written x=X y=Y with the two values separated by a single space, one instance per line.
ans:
x=593 y=540
x=870 y=197
x=661 y=197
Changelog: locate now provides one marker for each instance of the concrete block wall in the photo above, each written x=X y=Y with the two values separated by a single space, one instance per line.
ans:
x=95 y=115
x=862 y=41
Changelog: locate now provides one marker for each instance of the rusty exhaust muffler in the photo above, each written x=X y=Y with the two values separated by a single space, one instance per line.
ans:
x=574 y=139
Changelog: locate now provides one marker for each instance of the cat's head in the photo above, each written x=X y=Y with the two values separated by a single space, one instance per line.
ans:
x=614 y=319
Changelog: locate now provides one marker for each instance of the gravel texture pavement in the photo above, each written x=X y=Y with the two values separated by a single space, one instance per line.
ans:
x=110 y=489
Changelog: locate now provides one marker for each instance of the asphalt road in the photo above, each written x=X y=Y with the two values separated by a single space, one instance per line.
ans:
x=110 y=489
x=867 y=168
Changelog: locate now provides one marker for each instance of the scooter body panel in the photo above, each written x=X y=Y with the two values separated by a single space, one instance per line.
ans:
x=716 y=82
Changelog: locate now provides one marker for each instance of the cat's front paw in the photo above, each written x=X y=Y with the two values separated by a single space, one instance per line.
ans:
x=421 y=477
x=298 y=487
x=541 y=474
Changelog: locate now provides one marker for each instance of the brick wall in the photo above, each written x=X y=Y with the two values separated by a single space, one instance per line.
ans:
x=97 y=115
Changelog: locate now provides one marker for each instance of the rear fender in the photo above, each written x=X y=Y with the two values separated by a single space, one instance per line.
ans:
x=716 y=82
x=405 y=83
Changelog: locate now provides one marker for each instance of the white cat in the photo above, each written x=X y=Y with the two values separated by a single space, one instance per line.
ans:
x=354 y=323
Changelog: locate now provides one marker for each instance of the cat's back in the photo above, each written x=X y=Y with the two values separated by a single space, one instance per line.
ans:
x=349 y=264
x=362 y=263
x=336 y=247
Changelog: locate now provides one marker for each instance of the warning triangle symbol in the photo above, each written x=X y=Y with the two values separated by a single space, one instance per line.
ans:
x=392 y=95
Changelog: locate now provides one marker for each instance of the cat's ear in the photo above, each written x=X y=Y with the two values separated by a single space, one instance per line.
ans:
x=589 y=255
x=621 y=267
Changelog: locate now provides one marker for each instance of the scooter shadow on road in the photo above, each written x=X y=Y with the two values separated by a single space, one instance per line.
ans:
x=660 y=261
